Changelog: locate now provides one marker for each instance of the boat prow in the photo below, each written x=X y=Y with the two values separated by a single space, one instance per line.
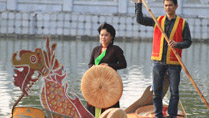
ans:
x=146 y=98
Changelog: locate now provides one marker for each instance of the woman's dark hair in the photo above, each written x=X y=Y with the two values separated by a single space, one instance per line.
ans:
x=174 y=1
x=109 y=29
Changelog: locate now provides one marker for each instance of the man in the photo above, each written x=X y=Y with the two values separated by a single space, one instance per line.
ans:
x=164 y=60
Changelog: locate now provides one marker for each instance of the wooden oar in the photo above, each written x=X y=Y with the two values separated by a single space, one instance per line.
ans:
x=177 y=56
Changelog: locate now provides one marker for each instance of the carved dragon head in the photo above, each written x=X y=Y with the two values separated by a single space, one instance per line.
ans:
x=29 y=66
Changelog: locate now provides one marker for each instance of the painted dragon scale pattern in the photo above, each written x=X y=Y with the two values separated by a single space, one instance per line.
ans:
x=53 y=96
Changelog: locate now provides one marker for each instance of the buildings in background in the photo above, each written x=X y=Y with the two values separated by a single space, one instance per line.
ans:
x=82 y=17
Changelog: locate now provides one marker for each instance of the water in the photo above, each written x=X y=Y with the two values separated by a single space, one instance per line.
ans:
x=75 y=54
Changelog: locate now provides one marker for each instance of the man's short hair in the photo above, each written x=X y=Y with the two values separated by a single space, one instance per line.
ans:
x=174 y=1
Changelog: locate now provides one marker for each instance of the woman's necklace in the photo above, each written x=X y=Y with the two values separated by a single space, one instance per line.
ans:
x=103 y=49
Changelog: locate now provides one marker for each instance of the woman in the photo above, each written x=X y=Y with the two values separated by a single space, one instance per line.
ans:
x=107 y=54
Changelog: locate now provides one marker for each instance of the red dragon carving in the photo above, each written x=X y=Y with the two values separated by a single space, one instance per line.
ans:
x=30 y=66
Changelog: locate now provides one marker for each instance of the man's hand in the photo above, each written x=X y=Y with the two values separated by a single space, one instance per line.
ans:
x=139 y=1
x=172 y=44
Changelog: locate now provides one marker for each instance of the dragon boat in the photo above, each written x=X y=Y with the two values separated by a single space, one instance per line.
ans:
x=54 y=97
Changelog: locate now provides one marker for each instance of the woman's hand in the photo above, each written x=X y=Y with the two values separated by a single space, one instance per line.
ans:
x=104 y=64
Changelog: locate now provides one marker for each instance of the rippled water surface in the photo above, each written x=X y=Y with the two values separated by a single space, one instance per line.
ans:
x=75 y=54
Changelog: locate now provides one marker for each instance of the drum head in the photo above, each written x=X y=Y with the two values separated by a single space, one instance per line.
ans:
x=101 y=86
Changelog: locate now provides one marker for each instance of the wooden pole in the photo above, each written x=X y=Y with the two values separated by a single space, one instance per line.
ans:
x=182 y=107
x=177 y=56
x=20 y=98
x=15 y=104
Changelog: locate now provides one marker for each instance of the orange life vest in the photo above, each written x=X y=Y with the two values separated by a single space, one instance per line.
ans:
x=158 y=40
